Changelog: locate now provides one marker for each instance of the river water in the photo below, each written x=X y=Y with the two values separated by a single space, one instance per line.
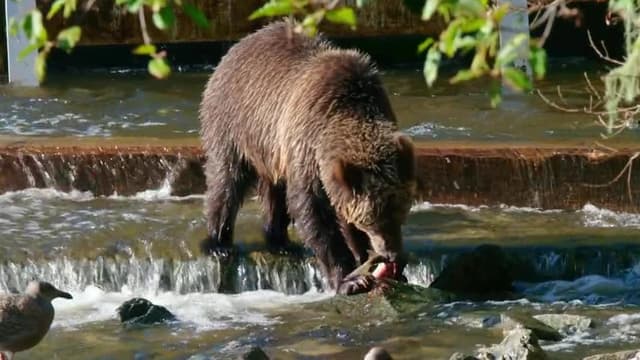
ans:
x=105 y=250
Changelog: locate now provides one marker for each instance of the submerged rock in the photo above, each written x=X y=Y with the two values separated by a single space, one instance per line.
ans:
x=542 y=331
x=143 y=312
x=390 y=300
x=485 y=272
x=566 y=323
x=378 y=353
x=621 y=355
x=519 y=344
x=254 y=353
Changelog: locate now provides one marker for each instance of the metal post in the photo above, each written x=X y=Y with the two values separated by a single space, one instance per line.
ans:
x=516 y=22
x=21 y=72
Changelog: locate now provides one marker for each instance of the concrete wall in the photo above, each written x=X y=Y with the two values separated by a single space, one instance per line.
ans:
x=104 y=24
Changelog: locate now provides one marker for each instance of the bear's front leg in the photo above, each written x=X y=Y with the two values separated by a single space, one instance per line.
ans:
x=317 y=224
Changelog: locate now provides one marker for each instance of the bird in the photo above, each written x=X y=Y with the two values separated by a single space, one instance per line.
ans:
x=25 y=318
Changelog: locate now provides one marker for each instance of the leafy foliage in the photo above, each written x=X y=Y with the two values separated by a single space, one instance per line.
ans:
x=622 y=83
x=163 y=18
x=473 y=28
x=312 y=12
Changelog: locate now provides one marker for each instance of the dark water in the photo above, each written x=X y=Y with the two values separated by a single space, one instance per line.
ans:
x=129 y=103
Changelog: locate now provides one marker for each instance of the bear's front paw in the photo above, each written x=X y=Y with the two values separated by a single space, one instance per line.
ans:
x=209 y=247
x=356 y=285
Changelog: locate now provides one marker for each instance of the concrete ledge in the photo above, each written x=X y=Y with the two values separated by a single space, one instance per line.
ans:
x=545 y=176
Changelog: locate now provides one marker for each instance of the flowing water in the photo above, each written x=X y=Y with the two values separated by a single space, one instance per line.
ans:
x=108 y=249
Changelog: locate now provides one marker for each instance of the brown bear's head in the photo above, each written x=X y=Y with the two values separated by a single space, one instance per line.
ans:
x=376 y=198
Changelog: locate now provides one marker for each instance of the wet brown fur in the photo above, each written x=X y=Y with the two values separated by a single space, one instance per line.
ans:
x=311 y=126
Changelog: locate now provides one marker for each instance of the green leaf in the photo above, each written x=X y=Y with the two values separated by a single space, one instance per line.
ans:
x=273 y=8
x=509 y=51
x=132 y=6
x=516 y=78
x=538 y=59
x=69 y=37
x=464 y=75
x=431 y=64
x=429 y=9
x=40 y=66
x=498 y=13
x=55 y=7
x=145 y=49
x=342 y=15
x=34 y=29
x=470 y=8
x=311 y=21
x=165 y=18
x=27 y=50
x=159 y=68
x=69 y=7
x=495 y=94
x=473 y=25
x=425 y=45
x=196 y=15
x=449 y=36
x=14 y=27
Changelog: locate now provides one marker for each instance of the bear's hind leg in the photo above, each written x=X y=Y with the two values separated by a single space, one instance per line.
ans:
x=228 y=180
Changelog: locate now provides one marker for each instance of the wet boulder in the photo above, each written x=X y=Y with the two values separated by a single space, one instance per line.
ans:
x=486 y=272
x=254 y=353
x=542 y=331
x=621 y=355
x=388 y=301
x=518 y=344
x=566 y=323
x=378 y=353
x=139 y=311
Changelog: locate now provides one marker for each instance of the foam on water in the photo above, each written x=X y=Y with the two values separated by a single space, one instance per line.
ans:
x=202 y=311
x=594 y=216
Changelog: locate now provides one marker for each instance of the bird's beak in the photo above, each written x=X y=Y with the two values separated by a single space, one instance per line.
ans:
x=65 y=295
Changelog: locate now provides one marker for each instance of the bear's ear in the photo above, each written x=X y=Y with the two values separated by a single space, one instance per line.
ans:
x=348 y=176
x=406 y=157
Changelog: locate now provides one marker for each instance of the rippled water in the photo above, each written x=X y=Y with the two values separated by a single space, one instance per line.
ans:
x=106 y=250
x=130 y=104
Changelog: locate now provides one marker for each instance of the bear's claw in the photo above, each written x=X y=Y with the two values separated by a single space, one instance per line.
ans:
x=356 y=285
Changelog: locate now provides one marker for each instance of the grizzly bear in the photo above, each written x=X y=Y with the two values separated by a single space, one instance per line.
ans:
x=310 y=126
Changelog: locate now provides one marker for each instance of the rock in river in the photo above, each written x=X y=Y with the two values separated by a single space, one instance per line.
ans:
x=542 y=331
x=143 y=312
x=484 y=273
x=566 y=323
x=621 y=355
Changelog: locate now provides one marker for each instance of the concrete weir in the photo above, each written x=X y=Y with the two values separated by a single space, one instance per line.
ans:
x=547 y=177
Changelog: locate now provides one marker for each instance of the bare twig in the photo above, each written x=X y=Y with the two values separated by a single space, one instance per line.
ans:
x=555 y=105
x=628 y=167
x=593 y=89
x=600 y=54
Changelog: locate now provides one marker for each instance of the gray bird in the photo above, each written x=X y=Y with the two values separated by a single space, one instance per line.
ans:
x=25 y=319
